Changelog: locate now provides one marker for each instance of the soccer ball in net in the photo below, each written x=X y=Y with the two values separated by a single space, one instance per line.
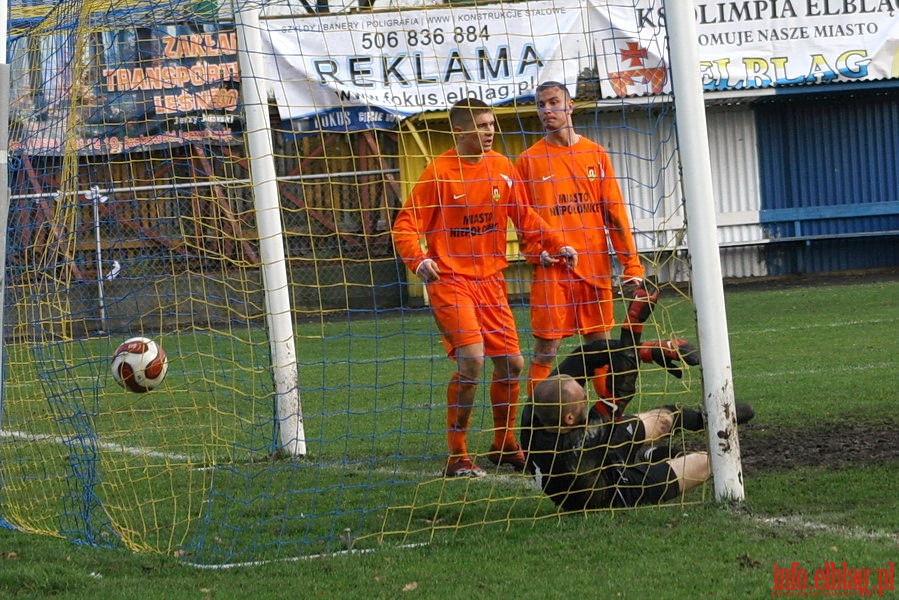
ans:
x=139 y=364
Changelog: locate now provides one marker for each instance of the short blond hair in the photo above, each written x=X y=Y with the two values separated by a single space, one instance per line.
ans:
x=555 y=397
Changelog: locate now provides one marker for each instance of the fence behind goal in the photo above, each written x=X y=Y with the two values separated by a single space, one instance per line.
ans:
x=133 y=211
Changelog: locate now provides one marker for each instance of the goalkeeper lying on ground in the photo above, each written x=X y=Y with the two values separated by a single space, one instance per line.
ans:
x=582 y=457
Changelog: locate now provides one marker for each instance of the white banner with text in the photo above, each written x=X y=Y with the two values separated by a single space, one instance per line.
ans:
x=355 y=70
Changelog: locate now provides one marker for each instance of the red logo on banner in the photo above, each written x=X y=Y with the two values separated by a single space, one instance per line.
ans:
x=635 y=55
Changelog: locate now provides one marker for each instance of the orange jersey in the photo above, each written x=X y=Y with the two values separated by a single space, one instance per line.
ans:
x=462 y=210
x=575 y=190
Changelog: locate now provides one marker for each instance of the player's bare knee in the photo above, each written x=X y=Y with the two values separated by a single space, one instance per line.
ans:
x=696 y=470
x=470 y=371
x=699 y=465
x=545 y=350
x=691 y=470
x=514 y=366
x=657 y=422
x=508 y=367
x=664 y=422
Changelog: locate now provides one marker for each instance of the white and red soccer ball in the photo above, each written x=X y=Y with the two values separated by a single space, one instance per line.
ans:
x=139 y=364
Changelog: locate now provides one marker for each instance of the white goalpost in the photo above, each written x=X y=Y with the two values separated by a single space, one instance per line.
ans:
x=708 y=293
x=244 y=164
x=266 y=198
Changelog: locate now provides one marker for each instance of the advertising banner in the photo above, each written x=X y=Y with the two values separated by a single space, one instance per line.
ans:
x=407 y=62
x=143 y=88
x=410 y=61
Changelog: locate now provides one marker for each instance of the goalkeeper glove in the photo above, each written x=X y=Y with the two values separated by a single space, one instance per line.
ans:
x=693 y=420
x=667 y=353
x=630 y=286
x=641 y=306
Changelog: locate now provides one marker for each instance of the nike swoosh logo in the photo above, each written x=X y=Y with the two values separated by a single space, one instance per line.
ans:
x=546 y=177
x=457 y=196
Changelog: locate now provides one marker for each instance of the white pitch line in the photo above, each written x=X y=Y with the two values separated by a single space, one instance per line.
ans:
x=781 y=373
x=259 y=563
x=855 y=533
x=56 y=439
x=510 y=480
x=852 y=323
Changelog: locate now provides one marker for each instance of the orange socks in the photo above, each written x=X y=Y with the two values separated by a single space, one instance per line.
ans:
x=601 y=383
x=504 y=399
x=457 y=419
x=606 y=398
x=537 y=373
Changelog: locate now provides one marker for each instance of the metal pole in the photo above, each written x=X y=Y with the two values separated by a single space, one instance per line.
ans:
x=288 y=410
x=705 y=260
x=96 y=199
x=4 y=204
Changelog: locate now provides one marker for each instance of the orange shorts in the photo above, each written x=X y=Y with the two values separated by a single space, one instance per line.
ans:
x=562 y=308
x=470 y=311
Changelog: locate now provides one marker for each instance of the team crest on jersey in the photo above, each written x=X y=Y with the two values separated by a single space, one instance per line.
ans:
x=591 y=173
x=495 y=193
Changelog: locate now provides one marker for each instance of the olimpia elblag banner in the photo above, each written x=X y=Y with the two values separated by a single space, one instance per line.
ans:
x=324 y=68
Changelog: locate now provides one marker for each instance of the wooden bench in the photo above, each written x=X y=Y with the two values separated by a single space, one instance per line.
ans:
x=793 y=221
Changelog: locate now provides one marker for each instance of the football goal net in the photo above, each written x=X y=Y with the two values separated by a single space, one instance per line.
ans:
x=223 y=179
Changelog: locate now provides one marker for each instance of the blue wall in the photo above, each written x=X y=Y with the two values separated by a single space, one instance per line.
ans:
x=829 y=177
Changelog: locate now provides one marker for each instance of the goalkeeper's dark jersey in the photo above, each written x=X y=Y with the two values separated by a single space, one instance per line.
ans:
x=580 y=468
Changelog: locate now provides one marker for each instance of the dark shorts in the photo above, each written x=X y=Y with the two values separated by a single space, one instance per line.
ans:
x=610 y=472
x=642 y=484
x=633 y=482
x=627 y=434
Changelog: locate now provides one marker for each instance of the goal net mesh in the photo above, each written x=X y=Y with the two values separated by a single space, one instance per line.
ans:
x=133 y=212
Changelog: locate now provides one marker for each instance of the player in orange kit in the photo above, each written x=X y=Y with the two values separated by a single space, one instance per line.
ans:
x=461 y=206
x=571 y=183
